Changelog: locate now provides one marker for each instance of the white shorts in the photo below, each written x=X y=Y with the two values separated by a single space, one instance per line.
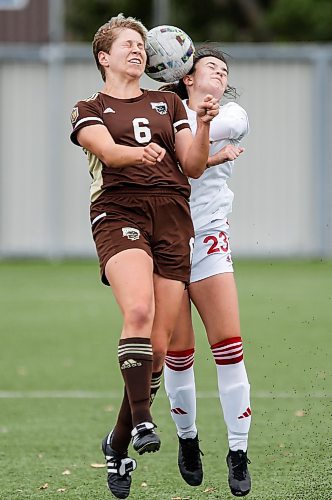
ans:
x=212 y=253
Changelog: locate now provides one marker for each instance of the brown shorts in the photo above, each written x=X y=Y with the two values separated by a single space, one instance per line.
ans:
x=159 y=223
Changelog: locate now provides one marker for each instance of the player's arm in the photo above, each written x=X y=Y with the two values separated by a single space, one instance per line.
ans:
x=97 y=139
x=227 y=153
x=193 y=152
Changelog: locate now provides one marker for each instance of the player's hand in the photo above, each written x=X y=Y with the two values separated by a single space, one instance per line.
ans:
x=208 y=109
x=152 y=153
x=227 y=153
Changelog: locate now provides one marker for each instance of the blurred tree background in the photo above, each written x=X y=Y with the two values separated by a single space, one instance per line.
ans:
x=215 y=20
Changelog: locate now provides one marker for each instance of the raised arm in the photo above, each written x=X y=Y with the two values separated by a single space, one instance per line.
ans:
x=193 y=152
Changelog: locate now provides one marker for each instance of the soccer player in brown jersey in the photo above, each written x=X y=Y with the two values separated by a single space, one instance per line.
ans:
x=140 y=151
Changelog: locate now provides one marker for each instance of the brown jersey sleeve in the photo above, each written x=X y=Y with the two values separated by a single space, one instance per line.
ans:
x=86 y=112
x=180 y=115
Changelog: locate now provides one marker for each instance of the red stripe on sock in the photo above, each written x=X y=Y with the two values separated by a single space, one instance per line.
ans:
x=180 y=360
x=180 y=354
x=229 y=354
x=179 y=368
x=226 y=342
x=232 y=361
x=226 y=353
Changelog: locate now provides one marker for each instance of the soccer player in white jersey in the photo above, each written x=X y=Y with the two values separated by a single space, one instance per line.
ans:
x=212 y=286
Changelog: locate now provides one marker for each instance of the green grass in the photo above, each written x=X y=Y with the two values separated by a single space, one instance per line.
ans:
x=59 y=332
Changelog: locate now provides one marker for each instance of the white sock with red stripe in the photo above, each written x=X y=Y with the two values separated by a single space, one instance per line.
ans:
x=234 y=391
x=180 y=388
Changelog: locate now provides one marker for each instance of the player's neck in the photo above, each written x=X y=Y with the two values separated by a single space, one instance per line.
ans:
x=127 y=89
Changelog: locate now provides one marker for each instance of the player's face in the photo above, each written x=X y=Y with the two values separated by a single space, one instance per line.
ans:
x=210 y=76
x=127 y=55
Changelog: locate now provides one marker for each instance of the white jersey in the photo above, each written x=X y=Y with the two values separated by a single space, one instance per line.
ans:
x=211 y=199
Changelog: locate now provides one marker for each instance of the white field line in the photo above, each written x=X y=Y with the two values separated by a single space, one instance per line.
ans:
x=118 y=395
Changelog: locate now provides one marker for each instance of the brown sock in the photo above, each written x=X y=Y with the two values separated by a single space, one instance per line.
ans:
x=135 y=358
x=121 y=436
x=155 y=384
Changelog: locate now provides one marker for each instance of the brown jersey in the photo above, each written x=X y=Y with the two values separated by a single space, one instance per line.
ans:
x=154 y=116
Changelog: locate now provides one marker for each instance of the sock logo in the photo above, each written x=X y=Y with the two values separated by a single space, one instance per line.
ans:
x=130 y=363
x=245 y=414
x=178 y=411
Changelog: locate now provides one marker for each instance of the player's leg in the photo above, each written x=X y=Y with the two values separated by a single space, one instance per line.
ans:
x=179 y=376
x=130 y=273
x=217 y=303
x=180 y=388
x=123 y=272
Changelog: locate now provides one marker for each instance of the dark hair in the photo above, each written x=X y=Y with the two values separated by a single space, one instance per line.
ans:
x=206 y=50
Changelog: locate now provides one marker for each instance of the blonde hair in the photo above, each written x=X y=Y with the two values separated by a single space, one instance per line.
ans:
x=108 y=32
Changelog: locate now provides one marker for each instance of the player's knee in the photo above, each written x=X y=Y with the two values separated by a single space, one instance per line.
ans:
x=139 y=316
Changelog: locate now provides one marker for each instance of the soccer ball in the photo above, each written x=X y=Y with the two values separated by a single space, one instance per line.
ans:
x=170 y=53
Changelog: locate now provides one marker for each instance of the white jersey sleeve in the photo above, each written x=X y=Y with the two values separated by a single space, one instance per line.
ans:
x=231 y=124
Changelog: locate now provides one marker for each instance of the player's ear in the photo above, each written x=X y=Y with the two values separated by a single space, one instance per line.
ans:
x=102 y=58
x=187 y=80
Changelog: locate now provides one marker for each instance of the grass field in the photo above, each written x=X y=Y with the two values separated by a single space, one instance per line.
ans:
x=60 y=386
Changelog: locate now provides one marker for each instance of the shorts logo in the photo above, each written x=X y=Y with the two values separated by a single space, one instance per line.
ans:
x=74 y=115
x=131 y=232
x=160 y=107
x=130 y=363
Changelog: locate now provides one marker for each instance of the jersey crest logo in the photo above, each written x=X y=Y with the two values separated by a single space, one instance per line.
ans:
x=160 y=107
x=74 y=115
x=109 y=110
x=131 y=233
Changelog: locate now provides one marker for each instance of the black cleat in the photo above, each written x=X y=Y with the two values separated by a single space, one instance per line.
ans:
x=189 y=461
x=145 y=440
x=238 y=477
x=119 y=469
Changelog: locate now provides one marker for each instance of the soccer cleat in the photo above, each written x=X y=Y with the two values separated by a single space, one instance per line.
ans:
x=144 y=438
x=238 y=477
x=189 y=461
x=119 y=469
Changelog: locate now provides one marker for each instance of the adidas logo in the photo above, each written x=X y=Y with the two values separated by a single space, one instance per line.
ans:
x=178 y=411
x=245 y=414
x=130 y=363
x=109 y=110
